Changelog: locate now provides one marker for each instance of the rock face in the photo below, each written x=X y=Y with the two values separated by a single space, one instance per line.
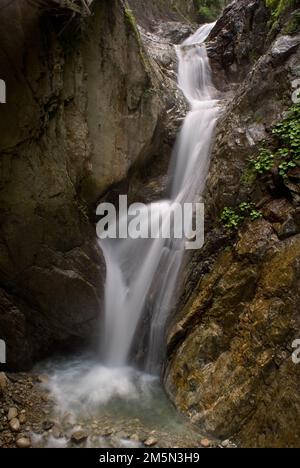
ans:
x=230 y=364
x=80 y=112
x=163 y=10
x=232 y=371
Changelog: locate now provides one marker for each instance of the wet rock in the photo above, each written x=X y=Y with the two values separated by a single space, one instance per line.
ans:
x=252 y=312
x=69 y=259
x=23 y=443
x=47 y=425
x=284 y=45
x=277 y=211
x=255 y=240
x=287 y=229
x=174 y=32
x=43 y=379
x=68 y=419
x=150 y=442
x=56 y=432
x=79 y=436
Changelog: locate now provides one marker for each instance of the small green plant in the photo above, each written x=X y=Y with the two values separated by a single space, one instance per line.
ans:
x=209 y=10
x=285 y=154
x=293 y=25
x=233 y=218
x=278 y=9
x=264 y=162
x=279 y=6
x=131 y=23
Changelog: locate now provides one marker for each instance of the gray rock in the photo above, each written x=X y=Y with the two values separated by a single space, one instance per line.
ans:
x=225 y=443
x=284 y=45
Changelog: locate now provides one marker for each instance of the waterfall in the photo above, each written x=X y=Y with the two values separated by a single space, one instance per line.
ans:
x=142 y=274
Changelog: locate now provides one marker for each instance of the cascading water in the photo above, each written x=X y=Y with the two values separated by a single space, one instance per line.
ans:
x=142 y=274
x=133 y=266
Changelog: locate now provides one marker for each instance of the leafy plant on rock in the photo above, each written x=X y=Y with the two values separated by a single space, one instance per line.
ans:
x=285 y=152
x=233 y=218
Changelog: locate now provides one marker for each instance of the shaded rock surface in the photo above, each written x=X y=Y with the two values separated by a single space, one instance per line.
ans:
x=83 y=106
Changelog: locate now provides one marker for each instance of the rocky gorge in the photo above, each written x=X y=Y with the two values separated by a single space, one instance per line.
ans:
x=92 y=112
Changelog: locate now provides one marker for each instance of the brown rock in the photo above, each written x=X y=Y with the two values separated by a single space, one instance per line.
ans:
x=79 y=436
x=23 y=443
x=229 y=366
x=12 y=413
x=22 y=418
x=150 y=442
x=205 y=443
x=14 y=425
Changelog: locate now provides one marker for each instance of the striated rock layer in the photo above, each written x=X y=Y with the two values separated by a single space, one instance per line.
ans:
x=230 y=349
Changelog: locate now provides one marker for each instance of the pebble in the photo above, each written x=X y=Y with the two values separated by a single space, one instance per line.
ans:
x=225 y=443
x=68 y=419
x=150 y=442
x=22 y=418
x=56 y=432
x=205 y=443
x=12 y=413
x=23 y=443
x=14 y=425
x=47 y=425
x=78 y=437
x=43 y=379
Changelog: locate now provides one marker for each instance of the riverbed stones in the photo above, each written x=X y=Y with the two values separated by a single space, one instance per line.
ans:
x=23 y=443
